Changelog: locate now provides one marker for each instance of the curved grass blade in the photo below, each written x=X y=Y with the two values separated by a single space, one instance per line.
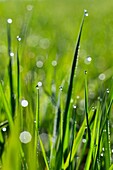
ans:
x=74 y=64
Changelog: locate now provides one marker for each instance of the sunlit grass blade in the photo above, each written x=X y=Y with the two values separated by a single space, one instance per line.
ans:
x=44 y=153
x=77 y=140
x=70 y=87
x=102 y=126
x=93 y=138
x=4 y=123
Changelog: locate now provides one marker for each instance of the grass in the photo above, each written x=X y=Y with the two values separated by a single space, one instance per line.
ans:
x=52 y=115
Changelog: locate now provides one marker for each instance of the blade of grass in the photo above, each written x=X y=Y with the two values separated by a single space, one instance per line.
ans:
x=86 y=107
x=55 y=131
x=36 y=126
x=74 y=64
x=10 y=68
x=44 y=153
x=93 y=138
x=72 y=135
x=6 y=106
x=77 y=140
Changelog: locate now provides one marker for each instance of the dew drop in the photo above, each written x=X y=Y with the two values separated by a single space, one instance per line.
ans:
x=54 y=63
x=29 y=7
x=4 y=129
x=18 y=38
x=93 y=108
x=84 y=140
x=11 y=54
x=39 y=84
x=103 y=149
x=61 y=88
x=78 y=97
x=99 y=98
x=104 y=130
x=112 y=150
x=25 y=137
x=85 y=72
x=39 y=64
x=24 y=103
x=102 y=76
x=9 y=20
x=85 y=13
x=107 y=91
x=102 y=154
x=44 y=43
x=88 y=60
x=74 y=106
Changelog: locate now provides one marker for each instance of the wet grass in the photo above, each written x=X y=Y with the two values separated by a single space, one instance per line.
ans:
x=52 y=116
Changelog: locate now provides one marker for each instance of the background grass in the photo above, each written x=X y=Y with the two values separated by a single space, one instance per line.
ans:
x=49 y=31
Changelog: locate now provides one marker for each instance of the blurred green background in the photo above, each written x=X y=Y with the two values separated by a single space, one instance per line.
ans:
x=49 y=30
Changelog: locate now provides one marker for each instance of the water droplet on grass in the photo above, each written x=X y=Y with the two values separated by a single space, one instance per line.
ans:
x=85 y=13
x=61 y=88
x=103 y=149
x=29 y=7
x=24 y=103
x=88 y=60
x=9 y=20
x=11 y=54
x=102 y=76
x=39 y=64
x=102 y=154
x=18 y=38
x=104 y=130
x=44 y=43
x=99 y=98
x=74 y=106
x=39 y=84
x=4 y=129
x=93 y=108
x=54 y=63
x=84 y=140
x=85 y=72
x=78 y=97
x=25 y=137
x=107 y=91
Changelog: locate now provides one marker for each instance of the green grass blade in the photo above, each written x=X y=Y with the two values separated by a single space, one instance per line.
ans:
x=55 y=131
x=44 y=153
x=10 y=69
x=18 y=72
x=86 y=107
x=93 y=137
x=6 y=106
x=36 y=124
x=71 y=80
x=77 y=140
